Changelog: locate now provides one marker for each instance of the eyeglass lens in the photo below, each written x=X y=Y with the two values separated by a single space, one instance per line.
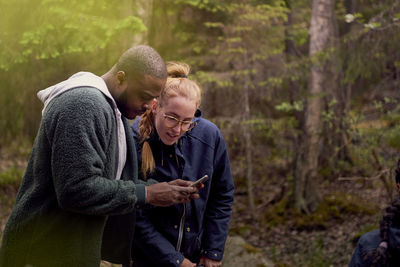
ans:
x=172 y=122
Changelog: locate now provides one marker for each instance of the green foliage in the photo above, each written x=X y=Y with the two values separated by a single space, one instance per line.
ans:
x=288 y=107
x=11 y=177
x=51 y=28
x=314 y=255
x=374 y=143
x=369 y=59
x=393 y=137
x=391 y=119
x=45 y=41
x=211 y=6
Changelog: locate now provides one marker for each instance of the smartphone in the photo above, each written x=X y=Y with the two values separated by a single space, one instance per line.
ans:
x=201 y=180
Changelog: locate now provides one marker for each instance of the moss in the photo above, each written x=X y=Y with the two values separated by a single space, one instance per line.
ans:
x=332 y=209
x=313 y=255
x=347 y=203
x=242 y=230
x=250 y=249
x=392 y=138
x=277 y=214
x=316 y=221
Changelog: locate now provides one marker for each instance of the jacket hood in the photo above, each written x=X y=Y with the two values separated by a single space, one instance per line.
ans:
x=80 y=79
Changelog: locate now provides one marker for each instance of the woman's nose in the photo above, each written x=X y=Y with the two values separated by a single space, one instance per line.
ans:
x=177 y=128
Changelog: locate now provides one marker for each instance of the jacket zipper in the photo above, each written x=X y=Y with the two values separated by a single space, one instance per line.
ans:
x=182 y=222
x=181 y=226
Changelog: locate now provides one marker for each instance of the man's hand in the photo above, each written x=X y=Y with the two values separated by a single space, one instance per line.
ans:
x=209 y=262
x=166 y=194
x=187 y=263
x=185 y=183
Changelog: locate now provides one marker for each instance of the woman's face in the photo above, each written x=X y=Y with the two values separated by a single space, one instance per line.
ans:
x=169 y=119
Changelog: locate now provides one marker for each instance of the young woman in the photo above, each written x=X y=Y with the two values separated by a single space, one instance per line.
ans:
x=381 y=247
x=174 y=142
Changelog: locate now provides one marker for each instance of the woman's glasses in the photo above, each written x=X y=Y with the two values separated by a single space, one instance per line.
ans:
x=172 y=122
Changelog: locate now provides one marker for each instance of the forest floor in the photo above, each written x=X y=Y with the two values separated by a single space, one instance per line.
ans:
x=325 y=238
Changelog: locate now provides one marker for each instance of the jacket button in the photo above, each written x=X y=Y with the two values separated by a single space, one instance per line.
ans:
x=215 y=254
x=177 y=261
x=170 y=155
x=176 y=226
x=188 y=229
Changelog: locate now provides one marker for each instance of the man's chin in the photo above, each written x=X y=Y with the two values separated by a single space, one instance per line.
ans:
x=132 y=115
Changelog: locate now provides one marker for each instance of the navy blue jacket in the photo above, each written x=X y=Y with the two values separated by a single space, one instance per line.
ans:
x=370 y=241
x=202 y=223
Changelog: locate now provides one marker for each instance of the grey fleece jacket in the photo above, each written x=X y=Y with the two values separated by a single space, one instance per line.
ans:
x=62 y=215
x=87 y=79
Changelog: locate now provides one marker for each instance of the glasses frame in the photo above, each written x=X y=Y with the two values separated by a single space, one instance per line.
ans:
x=180 y=123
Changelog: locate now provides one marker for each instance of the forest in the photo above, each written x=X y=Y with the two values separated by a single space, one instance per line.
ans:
x=306 y=94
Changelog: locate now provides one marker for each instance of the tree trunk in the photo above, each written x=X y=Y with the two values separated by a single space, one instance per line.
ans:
x=248 y=149
x=321 y=32
x=247 y=141
x=343 y=96
x=143 y=10
x=293 y=89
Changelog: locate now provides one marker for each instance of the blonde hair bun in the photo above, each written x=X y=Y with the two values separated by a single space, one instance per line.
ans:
x=178 y=69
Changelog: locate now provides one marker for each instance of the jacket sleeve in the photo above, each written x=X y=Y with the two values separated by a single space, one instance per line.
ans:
x=365 y=244
x=219 y=205
x=80 y=130
x=153 y=245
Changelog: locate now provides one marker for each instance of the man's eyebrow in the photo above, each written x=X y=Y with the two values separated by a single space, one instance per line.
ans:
x=150 y=94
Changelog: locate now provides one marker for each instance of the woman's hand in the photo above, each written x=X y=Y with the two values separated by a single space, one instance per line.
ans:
x=209 y=262
x=187 y=263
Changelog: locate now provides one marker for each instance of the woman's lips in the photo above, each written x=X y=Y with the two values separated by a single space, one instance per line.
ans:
x=172 y=136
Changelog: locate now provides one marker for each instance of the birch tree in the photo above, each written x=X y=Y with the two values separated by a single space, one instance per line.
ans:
x=321 y=33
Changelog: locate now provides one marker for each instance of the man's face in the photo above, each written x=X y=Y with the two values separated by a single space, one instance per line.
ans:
x=138 y=95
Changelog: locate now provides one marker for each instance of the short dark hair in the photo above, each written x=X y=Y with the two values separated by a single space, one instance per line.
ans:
x=142 y=60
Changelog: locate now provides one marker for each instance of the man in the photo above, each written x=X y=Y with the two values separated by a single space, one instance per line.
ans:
x=81 y=183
